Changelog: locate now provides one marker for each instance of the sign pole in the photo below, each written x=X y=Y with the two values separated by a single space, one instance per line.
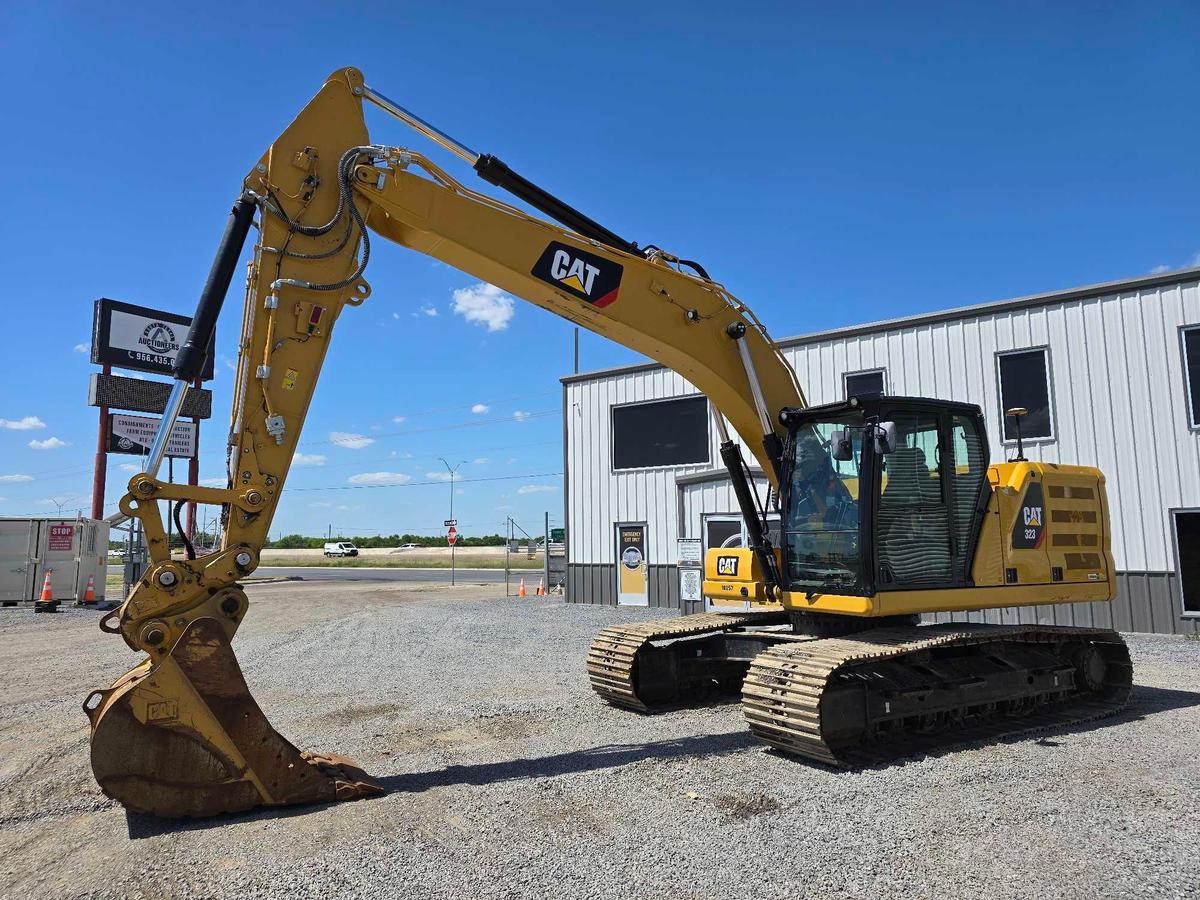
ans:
x=101 y=465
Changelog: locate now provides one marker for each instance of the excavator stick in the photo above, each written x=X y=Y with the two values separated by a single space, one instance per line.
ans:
x=184 y=738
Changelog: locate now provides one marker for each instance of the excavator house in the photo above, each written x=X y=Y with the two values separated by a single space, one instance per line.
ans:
x=890 y=507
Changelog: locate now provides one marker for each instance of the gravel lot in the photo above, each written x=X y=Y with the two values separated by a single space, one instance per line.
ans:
x=508 y=778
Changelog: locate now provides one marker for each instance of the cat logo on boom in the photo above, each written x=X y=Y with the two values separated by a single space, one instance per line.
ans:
x=579 y=273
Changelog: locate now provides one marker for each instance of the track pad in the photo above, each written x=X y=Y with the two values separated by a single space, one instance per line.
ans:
x=185 y=738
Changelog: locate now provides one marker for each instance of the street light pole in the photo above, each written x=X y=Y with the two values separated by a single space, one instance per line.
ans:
x=453 y=471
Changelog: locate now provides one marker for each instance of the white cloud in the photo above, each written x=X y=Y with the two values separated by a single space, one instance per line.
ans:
x=535 y=488
x=480 y=408
x=29 y=423
x=484 y=304
x=229 y=363
x=395 y=315
x=510 y=460
x=438 y=476
x=308 y=459
x=13 y=479
x=50 y=443
x=1158 y=270
x=430 y=311
x=83 y=348
x=520 y=415
x=399 y=419
x=1195 y=261
x=219 y=481
x=321 y=504
x=379 y=478
x=350 y=440
x=480 y=461
x=131 y=468
x=459 y=491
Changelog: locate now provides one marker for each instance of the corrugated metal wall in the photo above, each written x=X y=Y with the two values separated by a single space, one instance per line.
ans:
x=598 y=497
x=1118 y=403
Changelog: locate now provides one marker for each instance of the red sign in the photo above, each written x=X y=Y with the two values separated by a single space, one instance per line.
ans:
x=452 y=536
x=62 y=537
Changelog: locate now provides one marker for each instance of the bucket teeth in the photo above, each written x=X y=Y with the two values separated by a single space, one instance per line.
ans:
x=184 y=738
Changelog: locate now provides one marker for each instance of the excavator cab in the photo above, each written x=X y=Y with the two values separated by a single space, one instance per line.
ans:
x=882 y=493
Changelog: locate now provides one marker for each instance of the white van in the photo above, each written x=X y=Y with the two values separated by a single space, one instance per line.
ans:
x=341 y=548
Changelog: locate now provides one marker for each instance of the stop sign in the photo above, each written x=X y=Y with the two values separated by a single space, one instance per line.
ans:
x=452 y=536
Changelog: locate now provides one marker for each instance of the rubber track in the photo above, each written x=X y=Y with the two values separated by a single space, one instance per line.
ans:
x=781 y=696
x=611 y=658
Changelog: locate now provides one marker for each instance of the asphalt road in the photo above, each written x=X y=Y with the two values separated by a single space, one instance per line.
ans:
x=348 y=573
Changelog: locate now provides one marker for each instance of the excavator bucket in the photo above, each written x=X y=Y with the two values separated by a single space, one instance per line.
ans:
x=184 y=738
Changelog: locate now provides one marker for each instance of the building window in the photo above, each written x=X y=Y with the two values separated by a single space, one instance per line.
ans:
x=1025 y=382
x=1187 y=557
x=1191 y=370
x=864 y=382
x=663 y=433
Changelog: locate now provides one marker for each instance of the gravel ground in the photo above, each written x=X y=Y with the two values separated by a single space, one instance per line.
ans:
x=508 y=778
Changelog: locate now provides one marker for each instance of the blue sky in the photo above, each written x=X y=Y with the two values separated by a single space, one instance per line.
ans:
x=830 y=163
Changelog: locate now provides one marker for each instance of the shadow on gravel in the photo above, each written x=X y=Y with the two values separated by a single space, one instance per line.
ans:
x=1145 y=702
x=589 y=760
x=142 y=826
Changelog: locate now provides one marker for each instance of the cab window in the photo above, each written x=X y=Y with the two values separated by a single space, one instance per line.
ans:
x=821 y=532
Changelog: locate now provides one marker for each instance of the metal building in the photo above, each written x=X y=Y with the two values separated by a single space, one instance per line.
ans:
x=1110 y=374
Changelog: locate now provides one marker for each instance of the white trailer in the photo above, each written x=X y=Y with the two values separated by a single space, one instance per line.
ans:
x=72 y=549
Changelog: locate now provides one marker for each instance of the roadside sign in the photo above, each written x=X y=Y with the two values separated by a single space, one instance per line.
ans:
x=135 y=434
x=451 y=523
x=452 y=536
x=143 y=395
x=136 y=337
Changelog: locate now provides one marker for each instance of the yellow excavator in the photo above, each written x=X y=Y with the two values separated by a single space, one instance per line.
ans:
x=888 y=507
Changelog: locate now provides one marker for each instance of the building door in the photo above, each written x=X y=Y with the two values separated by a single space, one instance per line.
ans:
x=1187 y=557
x=633 y=571
x=722 y=531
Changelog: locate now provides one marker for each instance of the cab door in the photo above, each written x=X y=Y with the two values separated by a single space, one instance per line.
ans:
x=913 y=543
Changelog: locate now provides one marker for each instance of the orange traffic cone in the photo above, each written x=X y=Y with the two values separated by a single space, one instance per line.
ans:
x=46 y=602
x=521 y=589
x=541 y=591
x=89 y=593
